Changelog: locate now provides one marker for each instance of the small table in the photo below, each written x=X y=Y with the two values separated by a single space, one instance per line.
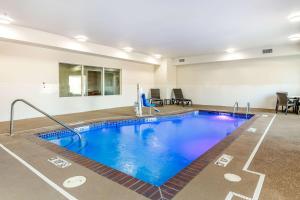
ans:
x=168 y=101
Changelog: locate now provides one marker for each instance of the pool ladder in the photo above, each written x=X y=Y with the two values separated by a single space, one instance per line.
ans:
x=11 y=127
x=235 y=107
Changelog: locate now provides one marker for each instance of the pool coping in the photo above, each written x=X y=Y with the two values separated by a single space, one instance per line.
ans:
x=167 y=190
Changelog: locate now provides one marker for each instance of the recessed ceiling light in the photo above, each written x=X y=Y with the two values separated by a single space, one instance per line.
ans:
x=128 y=49
x=294 y=17
x=230 y=50
x=4 y=19
x=158 y=56
x=294 y=37
x=81 y=38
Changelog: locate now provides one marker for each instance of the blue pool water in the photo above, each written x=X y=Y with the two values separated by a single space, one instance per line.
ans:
x=153 y=149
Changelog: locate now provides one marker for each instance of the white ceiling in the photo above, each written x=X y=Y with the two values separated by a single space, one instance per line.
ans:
x=169 y=27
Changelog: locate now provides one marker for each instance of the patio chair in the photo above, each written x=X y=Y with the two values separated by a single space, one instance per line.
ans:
x=155 y=97
x=284 y=101
x=179 y=99
x=297 y=105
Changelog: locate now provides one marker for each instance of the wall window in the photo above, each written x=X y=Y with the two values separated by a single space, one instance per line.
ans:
x=69 y=80
x=92 y=77
x=112 y=81
x=79 y=80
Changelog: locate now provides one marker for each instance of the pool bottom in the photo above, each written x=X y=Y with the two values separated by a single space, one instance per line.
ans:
x=167 y=190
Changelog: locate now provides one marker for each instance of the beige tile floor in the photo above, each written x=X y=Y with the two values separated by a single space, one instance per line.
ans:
x=278 y=158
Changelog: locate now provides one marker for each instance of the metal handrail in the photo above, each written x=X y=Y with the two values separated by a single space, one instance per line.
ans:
x=235 y=107
x=248 y=108
x=11 y=127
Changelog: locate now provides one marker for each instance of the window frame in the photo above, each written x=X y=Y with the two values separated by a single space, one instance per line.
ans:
x=120 y=71
x=84 y=85
x=59 y=93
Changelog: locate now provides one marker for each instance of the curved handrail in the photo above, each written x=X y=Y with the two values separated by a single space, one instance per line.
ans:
x=11 y=127
x=248 y=109
x=235 y=107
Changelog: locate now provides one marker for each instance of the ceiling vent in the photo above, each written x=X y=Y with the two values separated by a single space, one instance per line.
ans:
x=181 y=60
x=267 y=51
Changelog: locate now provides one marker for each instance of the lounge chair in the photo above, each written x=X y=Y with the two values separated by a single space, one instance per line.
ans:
x=179 y=99
x=155 y=97
x=284 y=101
x=148 y=104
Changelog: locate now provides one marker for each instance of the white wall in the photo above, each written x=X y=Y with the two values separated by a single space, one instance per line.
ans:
x=242 y=54
x=165 y=78
x=23 y=69
x=254 y=80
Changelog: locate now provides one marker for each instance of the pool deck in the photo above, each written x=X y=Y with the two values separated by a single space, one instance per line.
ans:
x=267 y=159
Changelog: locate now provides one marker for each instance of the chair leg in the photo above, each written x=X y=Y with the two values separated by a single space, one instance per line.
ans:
x=294 y=109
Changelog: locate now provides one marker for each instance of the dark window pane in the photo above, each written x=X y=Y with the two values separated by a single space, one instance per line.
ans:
x=93 y=81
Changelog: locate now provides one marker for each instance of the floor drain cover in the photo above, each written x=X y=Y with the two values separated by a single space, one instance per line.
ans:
x=74 y=181
x=232 y=177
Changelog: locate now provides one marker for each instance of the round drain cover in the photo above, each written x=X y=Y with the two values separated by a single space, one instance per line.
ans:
x=74 y=181
x=232 y=177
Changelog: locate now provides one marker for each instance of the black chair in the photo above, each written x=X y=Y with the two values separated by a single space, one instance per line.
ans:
x=155 y=97
x=298 y=106
x=284 y=101
x=179 y=98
